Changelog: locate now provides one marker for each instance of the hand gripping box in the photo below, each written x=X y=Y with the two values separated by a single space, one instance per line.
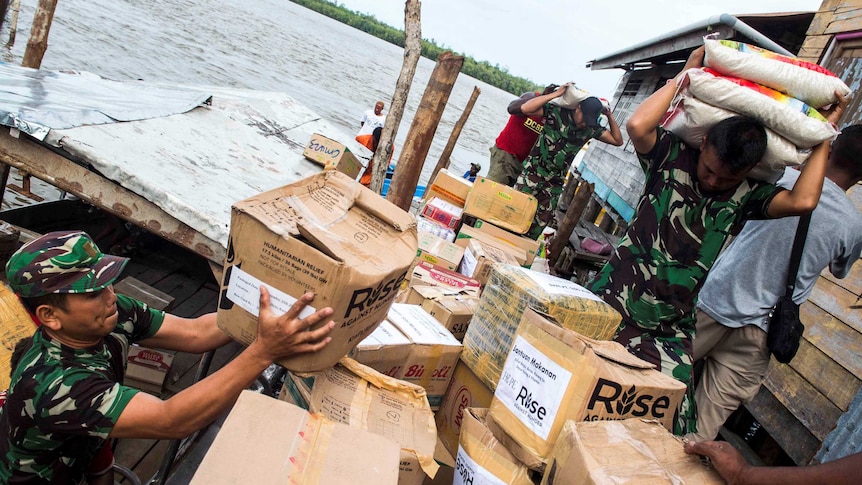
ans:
x=481 y=459
x=553 y=374
x=265 y=441
x=594 y=453
x=501 y=205
x=325 y=234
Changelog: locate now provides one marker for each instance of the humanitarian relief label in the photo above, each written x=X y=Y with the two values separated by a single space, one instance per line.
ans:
x=532 y=386
x=559 y=286
x=468 y=472
x=244 y=290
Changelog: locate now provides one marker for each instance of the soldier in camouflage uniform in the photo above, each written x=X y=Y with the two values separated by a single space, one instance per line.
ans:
x=564 y=134
x=694 y=200
x=66 y=398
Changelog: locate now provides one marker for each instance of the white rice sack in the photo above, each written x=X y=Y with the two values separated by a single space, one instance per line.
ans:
x=801 y=124
x=691 y=119
x=806 y=81
x=572 y=96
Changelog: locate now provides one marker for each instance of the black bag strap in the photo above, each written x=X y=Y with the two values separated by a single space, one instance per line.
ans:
x=796 y=253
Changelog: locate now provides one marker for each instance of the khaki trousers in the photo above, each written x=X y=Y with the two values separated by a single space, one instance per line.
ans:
x=734 y=365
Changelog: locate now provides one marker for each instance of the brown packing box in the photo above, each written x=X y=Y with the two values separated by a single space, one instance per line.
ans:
x=443 y=212
x=324 y=234
x=436 y=250
x=552 y=375
x=465 y=391
x=417 y=295
x=264 y=441
x=479 y=258
x=467 y=233
x=427 y=274
x=332 y=155
x=482 y=459
x=449 y=187
x=509 y=239
x=147 y=368
x=592 y=453
x=361 y=397
x=386 y=350
x=500 y=205
x=454 y=312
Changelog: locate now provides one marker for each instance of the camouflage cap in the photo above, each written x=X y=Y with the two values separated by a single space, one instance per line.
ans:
x=61 y=262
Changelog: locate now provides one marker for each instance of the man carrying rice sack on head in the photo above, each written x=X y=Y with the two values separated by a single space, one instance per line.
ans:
x=694 y=201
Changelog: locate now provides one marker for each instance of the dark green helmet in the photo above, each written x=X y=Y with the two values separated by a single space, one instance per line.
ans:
x=61 y=262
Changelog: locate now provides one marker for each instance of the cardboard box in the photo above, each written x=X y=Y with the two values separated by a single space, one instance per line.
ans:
x=296 y=390
x=361 y=397
x=509 y=239
x=553 y=375
x=264 y=441
x=147 y=368
x=332 y=155
x=482 y=459
x=479 y=258
x=439 y=230
x=386 y=350
x=325 y=234
x=444 y=213
x=454 y=312
x=465 y=391
x=438 y=251
x=507 y=295
x=501 y=205
x=433 y=352
x=427 y=274
x=590 y=452
x=417 y=295
x=449 y=187
x=467 y=233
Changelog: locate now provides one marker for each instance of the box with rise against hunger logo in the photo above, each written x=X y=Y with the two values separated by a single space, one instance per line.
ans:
x=553 y=374
x=324 y=234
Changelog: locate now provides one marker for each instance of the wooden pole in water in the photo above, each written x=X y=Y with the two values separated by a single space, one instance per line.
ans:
x=567 y=225
x=456 y=132
x=38 y=43
x=412 y=52
x=13 y=24
x=422 y=130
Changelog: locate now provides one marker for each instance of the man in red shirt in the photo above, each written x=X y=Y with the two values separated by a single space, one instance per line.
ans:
x=515 y=141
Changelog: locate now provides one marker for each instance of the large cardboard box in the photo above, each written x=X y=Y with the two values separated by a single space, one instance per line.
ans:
x=443 y=212
x=553 y=374
x=507 y=295
x=433 y=352
x=465 y=391
x=482 y=459
x=438 y=251
x=592 y=453
x=147 y=369
x=468 y=233
x=264 y=441
x=332 y=155
x=479 y=258
x=386 y=350
x=509 y=239
x=427 y=274
x=324 y=234
x=500 y=205
x=449 y=187
x=454 y=312
x=359 y=396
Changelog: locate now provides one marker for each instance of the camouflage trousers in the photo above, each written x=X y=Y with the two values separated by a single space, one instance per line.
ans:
x=547 y=192
x=671 y=352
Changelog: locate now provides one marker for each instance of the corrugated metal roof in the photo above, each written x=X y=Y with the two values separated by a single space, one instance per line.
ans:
x=846 y=438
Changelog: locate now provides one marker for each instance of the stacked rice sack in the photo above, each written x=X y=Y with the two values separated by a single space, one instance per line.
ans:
x=784 y=93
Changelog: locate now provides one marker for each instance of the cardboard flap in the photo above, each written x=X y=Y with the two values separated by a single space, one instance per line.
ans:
x=384 y=210
x=616 y=352
x=382 y=381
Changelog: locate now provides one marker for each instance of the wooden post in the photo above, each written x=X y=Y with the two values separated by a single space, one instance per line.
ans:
x=592 y=210
x=412 y=52
x=13 y=24
x=567 y=225
x=38 y=43
x=4 y=179
x=568 y=191
x=422 y=129
x=456 y=132
x=607 y=223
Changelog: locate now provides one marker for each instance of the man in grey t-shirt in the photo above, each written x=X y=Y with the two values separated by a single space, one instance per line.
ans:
x=749 y=277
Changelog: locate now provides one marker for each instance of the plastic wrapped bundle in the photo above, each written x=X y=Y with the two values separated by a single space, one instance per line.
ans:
x=509 y=292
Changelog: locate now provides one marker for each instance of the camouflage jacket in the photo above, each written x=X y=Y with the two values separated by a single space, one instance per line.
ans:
x=63 y=402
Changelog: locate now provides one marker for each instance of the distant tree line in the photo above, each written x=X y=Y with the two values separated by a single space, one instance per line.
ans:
x=482 y=70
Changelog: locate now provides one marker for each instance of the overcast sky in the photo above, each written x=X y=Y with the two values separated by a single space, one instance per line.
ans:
x=550 y=41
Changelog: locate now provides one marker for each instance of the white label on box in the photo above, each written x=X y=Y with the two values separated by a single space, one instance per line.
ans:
x=532 y=386
x=244 y=290
x=468 y=472
x=419 y=326
x=559 y=286
x=468 y=264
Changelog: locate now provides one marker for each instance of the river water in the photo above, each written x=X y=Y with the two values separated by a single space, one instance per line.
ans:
x=270 y=45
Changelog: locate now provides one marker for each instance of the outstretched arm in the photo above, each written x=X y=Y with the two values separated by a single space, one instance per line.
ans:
x=147 y=416
x=193 y=335
x=643 y=123
x=535 y=106
x=730 y=464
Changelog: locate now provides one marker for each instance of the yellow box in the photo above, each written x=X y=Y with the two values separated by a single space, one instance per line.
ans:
x=501 y=205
